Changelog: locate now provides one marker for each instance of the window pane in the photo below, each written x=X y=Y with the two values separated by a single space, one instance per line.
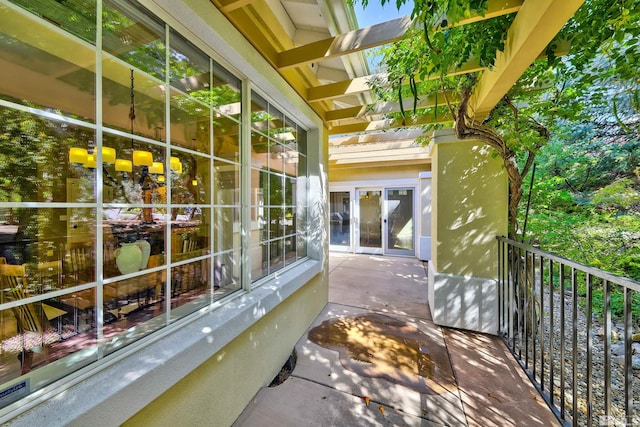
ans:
x=132 y=101
x=290 y=248
x=56 y=336
x=130 y=245
x=226 y=228
x=39 y=239
x=134 y=36
x=276 y=255
x=189 y=68
x=226 y=92
x=133 y=308
x=44 y=66
x=259 y=261
x=34 y=160
x=77 y=17
x=190 y=233
x=259 y=114
x=132 y=183
x=189 y=178
x=190 y=287
x=226 y=141
x=226 y=273
x=227 y=183
x=190 y=123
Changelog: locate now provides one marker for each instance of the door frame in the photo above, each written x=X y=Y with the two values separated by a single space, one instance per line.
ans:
x=354 y=220
x=357 y=248
x=386 y=222
x=344 y=248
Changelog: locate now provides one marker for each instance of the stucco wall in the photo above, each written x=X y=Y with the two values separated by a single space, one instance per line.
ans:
x=469 y=207
x=375 y=173
x=217 y=391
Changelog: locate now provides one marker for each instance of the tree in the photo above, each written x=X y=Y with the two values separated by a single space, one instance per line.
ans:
x=604 y=49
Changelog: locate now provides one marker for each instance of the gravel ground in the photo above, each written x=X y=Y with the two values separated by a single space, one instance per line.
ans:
x=617 y=394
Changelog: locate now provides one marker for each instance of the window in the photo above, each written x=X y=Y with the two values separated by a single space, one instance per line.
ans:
x=121 y=202
x=277 y=166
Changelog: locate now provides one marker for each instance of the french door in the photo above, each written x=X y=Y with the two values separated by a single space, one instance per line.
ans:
x=373 y=220
x=399 y=221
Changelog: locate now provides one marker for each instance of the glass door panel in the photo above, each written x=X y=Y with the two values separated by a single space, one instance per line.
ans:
x=370 y=225
x=400 y=223
x=340 y=219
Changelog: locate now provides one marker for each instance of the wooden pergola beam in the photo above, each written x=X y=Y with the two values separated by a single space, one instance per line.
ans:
x=375 y=35
x=362 y=84
x=389 y=107
x=378 y=125
x=231 y=5
x=495 y=8
x=533 y=28
x=342 y=44
x=399 y=135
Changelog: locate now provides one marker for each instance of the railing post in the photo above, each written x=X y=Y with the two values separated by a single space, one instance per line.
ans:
x=589 y=352
x=607 y=349
x=524 y=318
x=628 y=373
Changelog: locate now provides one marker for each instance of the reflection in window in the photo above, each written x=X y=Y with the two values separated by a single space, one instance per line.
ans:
x=138 y=221
x=275 y=189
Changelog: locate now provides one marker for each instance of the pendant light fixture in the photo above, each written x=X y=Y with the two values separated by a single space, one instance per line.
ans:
x=87 y=157
x=140 y=158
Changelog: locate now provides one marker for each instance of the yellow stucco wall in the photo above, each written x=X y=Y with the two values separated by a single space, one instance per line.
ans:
x=377 y=172
x=469 y=206
x=215 y=393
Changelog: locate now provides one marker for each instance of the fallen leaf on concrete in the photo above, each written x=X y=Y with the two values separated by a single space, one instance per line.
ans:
x=381 y=409
x=493 y=396
x=366 y=400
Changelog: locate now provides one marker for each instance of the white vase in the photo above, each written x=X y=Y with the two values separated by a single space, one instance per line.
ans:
x=128 y=258
x=145 y=248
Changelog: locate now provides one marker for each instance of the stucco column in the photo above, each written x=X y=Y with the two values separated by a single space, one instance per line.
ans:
x=469 y=208
x=424 y=236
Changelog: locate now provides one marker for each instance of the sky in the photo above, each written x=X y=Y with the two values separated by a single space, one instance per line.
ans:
x=374 y=13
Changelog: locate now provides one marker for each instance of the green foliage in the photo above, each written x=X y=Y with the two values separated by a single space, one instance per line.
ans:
x=585 y=200
x=619 y=195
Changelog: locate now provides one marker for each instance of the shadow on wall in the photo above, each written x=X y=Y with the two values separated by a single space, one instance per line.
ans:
x=473 y=210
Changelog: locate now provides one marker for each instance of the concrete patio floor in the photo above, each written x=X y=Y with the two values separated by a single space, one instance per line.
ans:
x=374 y=357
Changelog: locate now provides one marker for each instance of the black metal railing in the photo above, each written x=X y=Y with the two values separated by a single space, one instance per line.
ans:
x=571 y=328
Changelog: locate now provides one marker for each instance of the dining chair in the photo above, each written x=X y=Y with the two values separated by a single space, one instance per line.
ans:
x=79 y=262
x=50 y=275
x=32 y=319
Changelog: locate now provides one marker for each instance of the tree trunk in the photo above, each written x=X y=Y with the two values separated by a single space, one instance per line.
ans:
x=466 y=128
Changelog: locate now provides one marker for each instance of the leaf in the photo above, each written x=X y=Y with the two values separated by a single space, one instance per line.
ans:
x=367 y=399
x=400 y=97
x=381 y=409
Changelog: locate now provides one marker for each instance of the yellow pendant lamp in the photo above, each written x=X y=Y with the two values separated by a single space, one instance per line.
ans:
x=91 y=162
x=157 y=168
x=108 y=155
x=142 y=158
x=123 y=165
x=175 y=164
x=78 y=155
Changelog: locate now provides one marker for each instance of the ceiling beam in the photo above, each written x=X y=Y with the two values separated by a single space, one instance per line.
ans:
x=378 y=125
x=342 y=44
x=390 y=107
x=231 y=5
x=362 y=84
x=533 y=28
x=404 y=134
x=495 y=8
x=376 y=35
